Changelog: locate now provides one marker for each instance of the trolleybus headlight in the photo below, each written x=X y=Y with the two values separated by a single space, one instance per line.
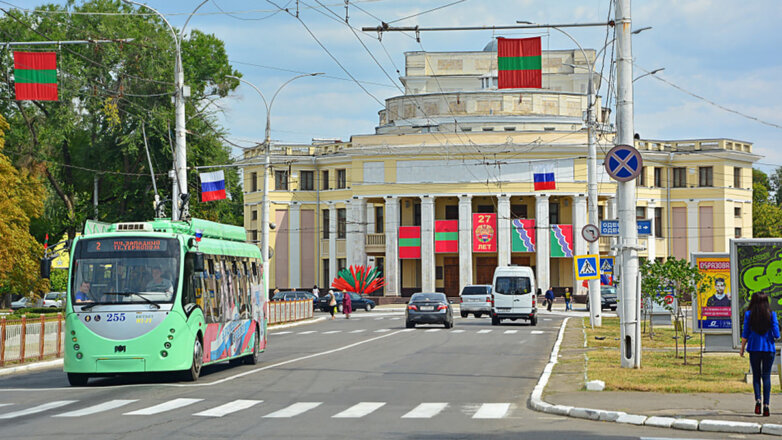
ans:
x=74 y=339
x=79 y=355
x=73 y=332
x=164 y=353
x=167 y=345
x=172 y=330
x=170 y=337
x=76 y=347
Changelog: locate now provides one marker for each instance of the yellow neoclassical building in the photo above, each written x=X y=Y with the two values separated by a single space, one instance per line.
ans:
x=442 y=193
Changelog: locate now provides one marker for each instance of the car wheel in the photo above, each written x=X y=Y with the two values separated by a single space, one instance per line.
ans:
x=368 y=307
x=495 y=320
x=478 y=315
x=192 y=374
x=534 y=321
x=409 y=324
x=464 y=314
x=613 y=309
x=255 y=357
x=78 y=379
x=448 y=324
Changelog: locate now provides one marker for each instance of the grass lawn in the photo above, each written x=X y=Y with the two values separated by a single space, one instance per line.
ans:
x=660 y=369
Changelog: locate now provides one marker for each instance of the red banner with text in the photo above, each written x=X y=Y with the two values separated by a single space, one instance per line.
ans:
x=484 y=236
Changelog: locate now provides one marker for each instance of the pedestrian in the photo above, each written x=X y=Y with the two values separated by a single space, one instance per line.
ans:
x=332 y=303
x=549 y=298
x=568 y=299
x=316 y=291
x=757 y=336
x=346 y=304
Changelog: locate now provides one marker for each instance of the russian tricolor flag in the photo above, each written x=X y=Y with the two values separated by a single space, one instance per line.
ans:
x=543 y=176
x=212 y=186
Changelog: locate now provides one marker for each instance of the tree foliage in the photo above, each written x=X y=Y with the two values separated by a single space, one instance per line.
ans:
x=106 y=93
x=766 y=210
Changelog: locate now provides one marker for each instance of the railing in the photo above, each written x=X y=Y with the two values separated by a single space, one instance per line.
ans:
x=289 y=311
x=30 y=338
x=376 y=240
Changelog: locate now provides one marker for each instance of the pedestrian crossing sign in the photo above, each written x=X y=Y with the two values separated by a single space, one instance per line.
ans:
x=586 y=267
x=607 y=265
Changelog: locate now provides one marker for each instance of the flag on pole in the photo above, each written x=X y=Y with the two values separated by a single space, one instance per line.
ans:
x=543 y=176
x=519 y=63
x=35 y=76
x=212 y=186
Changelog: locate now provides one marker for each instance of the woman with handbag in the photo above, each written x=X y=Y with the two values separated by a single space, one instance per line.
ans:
x=332 y=303
x=757 y=336
x=347 y=304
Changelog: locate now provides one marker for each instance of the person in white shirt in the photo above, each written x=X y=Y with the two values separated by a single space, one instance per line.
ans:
x=315 y=291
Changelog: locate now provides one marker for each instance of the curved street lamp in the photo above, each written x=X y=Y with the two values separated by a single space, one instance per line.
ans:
x=648 y=73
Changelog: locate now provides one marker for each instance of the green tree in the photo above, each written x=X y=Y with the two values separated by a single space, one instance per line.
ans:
x=766 y=211
x=776 y=185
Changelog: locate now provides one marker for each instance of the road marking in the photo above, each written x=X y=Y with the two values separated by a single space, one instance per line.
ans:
x=425 y=411
x=484 y=331
x=382 y=330
x=358 y=331
x=510 y=332
x=105 y=406
x=407 y=330
x=492 y=411
x=433 y=330
x=397 y=318
x=378 y=319
x=6 y=404
x=536 y=332
x=457 y=331
x=359 y=410
x=308 y=332
x=547 y=319
x=293 y=410
x=332 y=331
x=280 y=333
x=37 y=409
x=228 y=408
x=163 y=407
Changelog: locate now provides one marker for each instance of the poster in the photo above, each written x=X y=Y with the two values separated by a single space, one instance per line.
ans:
x=523 y=235
x=755 y=266
x=562 y=241
x=484 y=237
x=712 y=306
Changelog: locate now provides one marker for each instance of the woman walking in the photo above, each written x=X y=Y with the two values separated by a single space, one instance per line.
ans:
x=346 y=304
x=332 y=303
x=568 y=299
x=757 y=336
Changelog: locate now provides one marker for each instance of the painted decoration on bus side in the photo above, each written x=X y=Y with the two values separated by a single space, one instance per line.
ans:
x=713 y=306
x=484 y=238
x=229 y=339
x=562 y=241
x=523 y=235
x=446 y=236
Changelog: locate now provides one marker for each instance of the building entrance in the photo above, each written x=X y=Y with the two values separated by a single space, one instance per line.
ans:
x=485 y=269
x=451 y=276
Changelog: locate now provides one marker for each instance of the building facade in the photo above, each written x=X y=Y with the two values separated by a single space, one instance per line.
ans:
x=442 y=193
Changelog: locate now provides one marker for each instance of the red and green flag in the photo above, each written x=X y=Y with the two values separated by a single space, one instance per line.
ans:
x=410 y=242
x=35 y=76
x=519 y=63
x=446 y=236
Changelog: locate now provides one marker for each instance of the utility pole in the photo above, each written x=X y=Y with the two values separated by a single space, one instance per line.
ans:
x=628 y=232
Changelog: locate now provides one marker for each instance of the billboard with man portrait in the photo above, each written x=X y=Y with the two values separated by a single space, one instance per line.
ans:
x=712 y=303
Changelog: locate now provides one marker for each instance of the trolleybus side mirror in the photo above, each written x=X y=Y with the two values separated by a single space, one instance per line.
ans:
x=198 y=262
x=46 y=267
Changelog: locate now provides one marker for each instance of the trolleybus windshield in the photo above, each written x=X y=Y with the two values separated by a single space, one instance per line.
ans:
x=125 y=270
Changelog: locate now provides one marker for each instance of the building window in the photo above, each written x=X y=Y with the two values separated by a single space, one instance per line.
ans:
x=324 y=180
x=253 y=236
x=705 y=176
x=658 y=222
x=640 y=212
x=281 y=180
x=326 y=272
x=737 y=177
x=680 y=177
x=486 y=209
x=466 y=128
x=600 y=212
x=254 y=214
x=379 y=220
x=325 y=223
x=452 y=212
x=307 y=182
x=642 y=177
x=737 y=211
x=341 y=223
x=518 y=211
x=737 y=232
x=488 y=129
x=510 y=128
x=553 y=213
x=341 y=264
x=658 y=177
x=253 y=182
x=417 y=214
x=342 y=181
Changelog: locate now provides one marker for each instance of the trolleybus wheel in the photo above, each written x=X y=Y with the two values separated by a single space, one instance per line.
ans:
x=254 y=358
x=78 y=379
x=198 y=360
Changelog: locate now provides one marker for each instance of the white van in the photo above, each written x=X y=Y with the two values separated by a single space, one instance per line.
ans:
x=515 y=293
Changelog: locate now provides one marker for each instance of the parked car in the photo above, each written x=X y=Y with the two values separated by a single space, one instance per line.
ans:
x=357 y=302
x=429 y=308
x=607 y=298
x=294 y=295
x=22 y=303
x=52 y=300
x=476 y=300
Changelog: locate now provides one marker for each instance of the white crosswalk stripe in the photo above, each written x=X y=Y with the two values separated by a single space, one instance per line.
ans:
x=457 y=331
x=379 y=319
x=37 y=409
x=332 y=332
x=536 y=332
x=105 y=406
x=433 y=330
x=293 y=410
x=309 y=332
x=228 y=408
x=280 y=333
x=359 y=410
x=396 y=319
x=359 y=330
x=484 y=331
x=425 y=411
x=492 y=411
x=382 y=330
x=510 y=332
x=163 y=407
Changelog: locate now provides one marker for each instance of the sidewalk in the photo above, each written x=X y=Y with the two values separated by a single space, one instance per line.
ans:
x=730 y=412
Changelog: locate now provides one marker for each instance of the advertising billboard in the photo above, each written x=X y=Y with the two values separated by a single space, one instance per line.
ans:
x=755 y=266
x=713 y=305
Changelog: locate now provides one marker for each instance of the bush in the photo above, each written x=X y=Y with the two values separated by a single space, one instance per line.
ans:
x=35 y=311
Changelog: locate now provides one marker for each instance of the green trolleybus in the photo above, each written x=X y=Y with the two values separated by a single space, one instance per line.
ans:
x=163 y=296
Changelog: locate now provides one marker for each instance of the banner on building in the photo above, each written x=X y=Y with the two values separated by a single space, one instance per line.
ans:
x=713 y=305
x=409 y=242
x=484 y=237
x=446 y=236
x=562 y=241
x=519 y=63
x=523 y=235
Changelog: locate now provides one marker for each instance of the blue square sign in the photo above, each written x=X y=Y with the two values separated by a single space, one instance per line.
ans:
x=586 y=267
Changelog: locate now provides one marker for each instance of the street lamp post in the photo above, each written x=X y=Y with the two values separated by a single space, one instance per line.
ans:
x=648 y=73
x=266 y=165
x=180 y=154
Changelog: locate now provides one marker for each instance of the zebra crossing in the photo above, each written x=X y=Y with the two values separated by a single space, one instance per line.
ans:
x=484 y=331
x=424 y=410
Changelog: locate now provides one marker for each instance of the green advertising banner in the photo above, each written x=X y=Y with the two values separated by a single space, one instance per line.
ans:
x=756 y=266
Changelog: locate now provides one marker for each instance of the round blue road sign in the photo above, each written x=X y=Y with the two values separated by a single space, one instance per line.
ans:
x=623 y=163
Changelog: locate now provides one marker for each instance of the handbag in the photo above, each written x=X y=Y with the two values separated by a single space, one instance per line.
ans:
x=333 y=301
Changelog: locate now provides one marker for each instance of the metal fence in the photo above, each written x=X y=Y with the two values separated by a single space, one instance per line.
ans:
x=289 y=311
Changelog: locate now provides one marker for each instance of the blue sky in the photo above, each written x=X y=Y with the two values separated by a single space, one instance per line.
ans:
x=722 y=50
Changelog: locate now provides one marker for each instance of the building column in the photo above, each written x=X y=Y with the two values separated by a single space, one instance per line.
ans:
x=332 y=242
x=542 y=242
x=579 y=221
x=294 y=256
x=391 y=216
x=651 y=241
x=427 y=244
x=465 y=241
x=503 y=231
x=692 y=226
x=356 y=232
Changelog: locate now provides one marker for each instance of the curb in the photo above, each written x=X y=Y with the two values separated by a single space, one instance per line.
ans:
x=537 y=403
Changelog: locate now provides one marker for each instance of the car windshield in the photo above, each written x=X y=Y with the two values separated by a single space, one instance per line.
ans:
x=52 y=296
x=475 y=290
x=607 y=290
x=428 y=297
x=513 y=285
x=125 y=270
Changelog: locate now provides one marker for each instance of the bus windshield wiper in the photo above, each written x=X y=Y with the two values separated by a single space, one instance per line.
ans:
x=90 y=305
x=149 y=301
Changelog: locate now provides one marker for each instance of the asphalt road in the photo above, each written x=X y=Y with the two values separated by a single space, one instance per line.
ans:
x=367 y=377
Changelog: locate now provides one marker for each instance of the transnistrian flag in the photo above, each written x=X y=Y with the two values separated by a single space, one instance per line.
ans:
x=446 y=236
x=543 y=176
x=410 y=242
x=35 y=76
x=212 y=186
x=519 y=63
